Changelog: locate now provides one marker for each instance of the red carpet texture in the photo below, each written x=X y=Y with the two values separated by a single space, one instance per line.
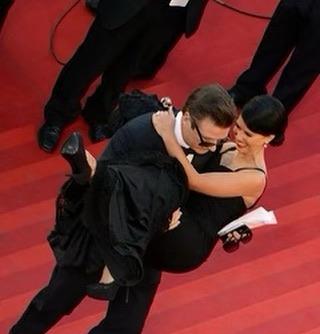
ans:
x=270 y=286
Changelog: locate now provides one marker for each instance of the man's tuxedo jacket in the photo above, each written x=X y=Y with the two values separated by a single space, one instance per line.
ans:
x=115 y=13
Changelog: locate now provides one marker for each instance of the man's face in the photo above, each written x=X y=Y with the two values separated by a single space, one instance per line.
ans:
x=202 y=135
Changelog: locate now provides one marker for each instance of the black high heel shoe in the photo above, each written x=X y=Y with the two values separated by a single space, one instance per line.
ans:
x=73 y=151
x=103 y=291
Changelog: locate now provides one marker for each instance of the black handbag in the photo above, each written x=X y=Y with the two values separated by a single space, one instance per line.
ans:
x=133 y=104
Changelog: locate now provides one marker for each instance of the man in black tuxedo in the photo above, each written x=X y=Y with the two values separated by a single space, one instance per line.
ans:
x=206 y=118
x=294 y=27
x=127 y=39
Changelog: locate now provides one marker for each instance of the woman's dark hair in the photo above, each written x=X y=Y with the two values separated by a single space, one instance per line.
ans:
x=267 y=116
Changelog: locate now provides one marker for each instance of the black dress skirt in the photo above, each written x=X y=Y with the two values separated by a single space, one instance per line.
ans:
x=112 y=221
x=188 y=245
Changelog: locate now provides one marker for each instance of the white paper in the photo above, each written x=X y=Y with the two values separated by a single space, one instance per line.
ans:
x=178 y=3
x=255 y=218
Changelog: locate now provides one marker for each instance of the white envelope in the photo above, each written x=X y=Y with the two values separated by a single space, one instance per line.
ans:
x=178 y=3
x=255 y=218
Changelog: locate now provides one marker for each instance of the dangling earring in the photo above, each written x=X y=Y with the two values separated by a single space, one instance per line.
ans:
x=265 y=145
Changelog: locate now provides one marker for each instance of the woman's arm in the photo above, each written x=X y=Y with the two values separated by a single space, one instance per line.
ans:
x=247 y=183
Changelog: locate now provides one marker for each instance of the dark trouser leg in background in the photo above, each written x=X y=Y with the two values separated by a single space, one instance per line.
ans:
x=100 y=104
x=304 y=64
x=4 y=8
x=97 y=52
x=66 y=289
x=142 y=58
x=277 y=42
x=67 y=286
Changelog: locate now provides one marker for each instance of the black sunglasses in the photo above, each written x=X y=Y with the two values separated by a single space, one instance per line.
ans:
x=204 y=143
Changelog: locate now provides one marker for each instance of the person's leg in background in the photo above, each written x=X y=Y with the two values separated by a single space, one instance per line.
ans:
x=100 y=104
x=277 y=42
x=67 y=286
x=142 y=58
x=304 y=65
x=97 y=52
x=4 y=9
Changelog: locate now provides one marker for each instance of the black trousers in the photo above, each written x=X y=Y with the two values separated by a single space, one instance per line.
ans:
x=136 y=48
x=4 y=8
x=67 y=288
x=294 y=28
x=128 y=312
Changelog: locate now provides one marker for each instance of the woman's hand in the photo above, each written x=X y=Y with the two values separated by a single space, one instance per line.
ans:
x=166 y=102
x=174 y=221
x=163 y=122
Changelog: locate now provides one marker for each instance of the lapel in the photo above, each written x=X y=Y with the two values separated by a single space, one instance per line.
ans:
x=195 y=10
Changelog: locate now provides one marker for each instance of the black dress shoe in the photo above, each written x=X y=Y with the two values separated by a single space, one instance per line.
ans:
x=98 y=132
x=48 y=136
x=73 y=151
x=103 y=291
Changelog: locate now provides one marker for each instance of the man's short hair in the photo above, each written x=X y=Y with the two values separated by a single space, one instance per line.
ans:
x=214 y=102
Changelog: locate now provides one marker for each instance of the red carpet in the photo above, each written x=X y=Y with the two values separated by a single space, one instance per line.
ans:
x=270 y=286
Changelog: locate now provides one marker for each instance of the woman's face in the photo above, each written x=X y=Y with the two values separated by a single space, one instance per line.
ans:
x=247 y=140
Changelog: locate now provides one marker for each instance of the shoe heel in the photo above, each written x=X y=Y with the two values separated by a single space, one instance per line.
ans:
x=103 y=291
x=74 y=153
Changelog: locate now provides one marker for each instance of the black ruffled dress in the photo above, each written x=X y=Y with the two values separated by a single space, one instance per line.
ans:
x=113 y=220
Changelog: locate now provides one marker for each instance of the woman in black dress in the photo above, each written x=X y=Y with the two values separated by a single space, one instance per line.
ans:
x=231 y=184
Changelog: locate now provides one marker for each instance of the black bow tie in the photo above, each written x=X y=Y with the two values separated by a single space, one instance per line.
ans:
x=188 y=151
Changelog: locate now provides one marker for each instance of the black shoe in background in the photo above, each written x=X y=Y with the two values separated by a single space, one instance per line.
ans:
x=48 y=136
x=98 y=132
